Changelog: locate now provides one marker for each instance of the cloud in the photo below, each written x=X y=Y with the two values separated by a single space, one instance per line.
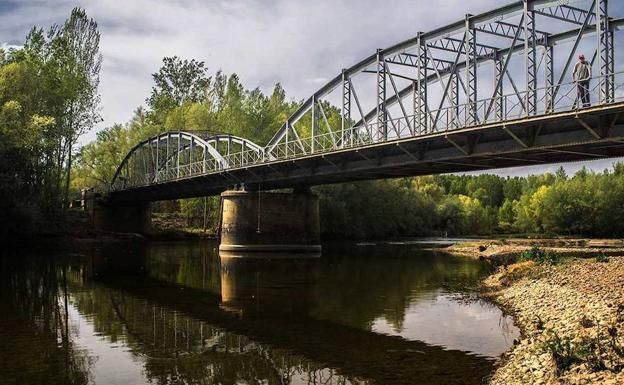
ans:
x=297 y=43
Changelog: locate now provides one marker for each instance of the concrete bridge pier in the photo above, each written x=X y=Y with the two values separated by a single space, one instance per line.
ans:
x=258 y=221
x=118 y=217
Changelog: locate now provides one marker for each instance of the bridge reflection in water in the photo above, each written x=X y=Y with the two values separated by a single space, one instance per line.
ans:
x=185 y=316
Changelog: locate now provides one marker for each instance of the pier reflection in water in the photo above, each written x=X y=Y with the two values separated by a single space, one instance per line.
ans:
x=175 y=313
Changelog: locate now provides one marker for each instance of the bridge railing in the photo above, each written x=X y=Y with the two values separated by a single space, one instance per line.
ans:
x=500 y=109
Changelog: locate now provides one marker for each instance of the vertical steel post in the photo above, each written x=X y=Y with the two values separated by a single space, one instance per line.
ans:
x=382 y=116
x=191 y=153
x=346 y=105
x=605 y=49
x=243 y=150
x=530 y=56
x=178 y=155
x=167 y=157
x=314 y=124
x=471 y=71
x=549 y=76
x=498 y=94
x=611 y=66
x=420 y=89
x=287 y=137
x=454 y=118
x=157 y=168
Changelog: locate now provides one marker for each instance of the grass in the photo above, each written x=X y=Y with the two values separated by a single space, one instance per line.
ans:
x=563 y=352
x=602 y=352
x=540 y=256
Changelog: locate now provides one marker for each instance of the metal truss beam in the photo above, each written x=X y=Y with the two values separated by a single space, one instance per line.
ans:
x=504 y=29
x=606 y=52
x=382 y=115
x=549 y=76
x=421 y=108
x=568 y=13
x=553 y=40
x=445 y=38
x=470 y=38
x=410 y=60
x=456 y=45
x=346 y=105
x=530 y=54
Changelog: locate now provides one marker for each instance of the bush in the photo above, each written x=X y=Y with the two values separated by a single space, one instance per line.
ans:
x=602 y=258
x=540 y=256
x=563 y=352
x=601 y=352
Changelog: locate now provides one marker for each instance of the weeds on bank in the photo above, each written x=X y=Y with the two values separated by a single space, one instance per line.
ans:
x=563 y=352
x=540 y=256
x=602 y=258
x=604 y=351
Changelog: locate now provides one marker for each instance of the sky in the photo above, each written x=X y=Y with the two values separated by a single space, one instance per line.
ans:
x=300 y=44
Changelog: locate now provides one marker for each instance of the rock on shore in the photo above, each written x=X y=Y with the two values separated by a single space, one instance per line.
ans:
x=572 y=318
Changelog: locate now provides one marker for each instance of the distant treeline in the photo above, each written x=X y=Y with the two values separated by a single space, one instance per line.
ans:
x=588 y=203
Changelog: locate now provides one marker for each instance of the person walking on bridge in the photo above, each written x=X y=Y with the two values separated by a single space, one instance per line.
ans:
x=581 y=76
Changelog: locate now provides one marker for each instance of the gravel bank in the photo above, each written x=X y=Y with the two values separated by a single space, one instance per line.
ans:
x=572 y=319
x=506 y=251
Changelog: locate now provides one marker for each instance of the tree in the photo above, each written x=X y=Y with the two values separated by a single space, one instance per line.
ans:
x=69 y=62
x=176 y=82
x=78 y=41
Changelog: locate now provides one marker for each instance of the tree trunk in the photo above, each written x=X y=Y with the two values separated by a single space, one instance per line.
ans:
x=68 y=175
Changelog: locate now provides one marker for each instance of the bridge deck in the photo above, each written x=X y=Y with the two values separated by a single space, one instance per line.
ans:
x=421 y=107
x=591 y=133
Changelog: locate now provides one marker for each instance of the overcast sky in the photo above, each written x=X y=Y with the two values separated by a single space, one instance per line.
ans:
x=300 y=44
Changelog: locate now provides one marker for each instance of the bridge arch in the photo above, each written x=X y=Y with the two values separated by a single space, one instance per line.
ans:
x=176 y=155
x=528 y=47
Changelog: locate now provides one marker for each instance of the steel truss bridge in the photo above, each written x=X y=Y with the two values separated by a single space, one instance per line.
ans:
x=493 y=90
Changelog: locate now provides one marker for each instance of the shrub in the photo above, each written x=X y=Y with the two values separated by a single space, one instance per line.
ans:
x=602 y=258
x=540 y=256
x=563 y=351
x=601 y=352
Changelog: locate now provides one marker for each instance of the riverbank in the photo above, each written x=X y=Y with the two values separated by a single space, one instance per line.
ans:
x=572 y=321
x=507 y=251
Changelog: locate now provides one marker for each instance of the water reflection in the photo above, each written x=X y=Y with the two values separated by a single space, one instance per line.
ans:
x=35 y=330
x=177 y=313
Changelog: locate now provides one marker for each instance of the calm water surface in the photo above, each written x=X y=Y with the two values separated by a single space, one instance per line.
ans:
x=175 y=313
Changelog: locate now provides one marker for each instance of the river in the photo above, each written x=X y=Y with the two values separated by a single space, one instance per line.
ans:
x=175 y=313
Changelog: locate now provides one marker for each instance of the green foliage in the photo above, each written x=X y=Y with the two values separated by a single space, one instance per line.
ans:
x=563 y=351
x=540 y=256
x=602 y=258
x=48 y=98
x=600 y=351
x=177 y=82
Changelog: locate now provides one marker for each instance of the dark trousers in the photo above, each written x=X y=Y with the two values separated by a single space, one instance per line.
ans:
x=583 y=93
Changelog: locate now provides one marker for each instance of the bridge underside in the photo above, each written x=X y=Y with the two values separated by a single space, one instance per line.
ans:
x=593 y=133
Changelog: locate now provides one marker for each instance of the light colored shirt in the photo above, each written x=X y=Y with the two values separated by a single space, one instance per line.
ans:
x=582 y=71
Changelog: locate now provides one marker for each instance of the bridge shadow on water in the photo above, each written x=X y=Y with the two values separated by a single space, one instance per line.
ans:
x=192 y=317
